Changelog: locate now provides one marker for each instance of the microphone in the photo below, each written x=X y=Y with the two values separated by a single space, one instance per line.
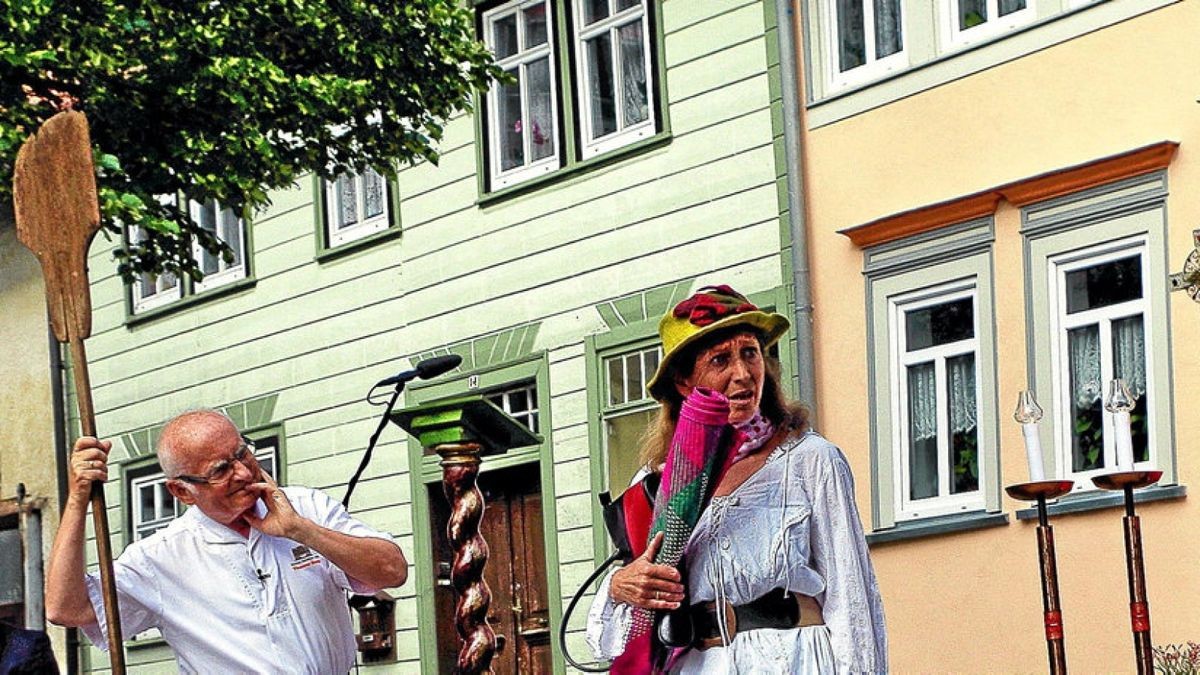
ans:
x=424 y=370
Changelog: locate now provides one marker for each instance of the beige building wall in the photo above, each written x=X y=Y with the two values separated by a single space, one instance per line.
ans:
x=970 y=602
x=27 y=453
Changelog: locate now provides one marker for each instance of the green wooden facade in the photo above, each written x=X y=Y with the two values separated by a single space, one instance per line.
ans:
x=534 y=284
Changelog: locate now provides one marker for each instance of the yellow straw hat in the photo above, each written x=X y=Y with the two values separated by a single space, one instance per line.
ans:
x=710 y=309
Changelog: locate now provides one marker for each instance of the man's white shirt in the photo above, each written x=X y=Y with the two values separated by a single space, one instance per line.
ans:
x=225 y=603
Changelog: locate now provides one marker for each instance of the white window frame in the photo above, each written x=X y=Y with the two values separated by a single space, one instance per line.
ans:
x=363 y=227
x=873 y=68
x=1057 y=268
x=519 y=60
x=157 y=482
x=953 y=37
x=610 y=410
x=898 y=307
x=611 y=24
x=226 y=272
x=163 y=294
x=502 y=398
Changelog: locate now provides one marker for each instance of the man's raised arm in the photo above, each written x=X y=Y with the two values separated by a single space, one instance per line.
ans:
x=67 y=602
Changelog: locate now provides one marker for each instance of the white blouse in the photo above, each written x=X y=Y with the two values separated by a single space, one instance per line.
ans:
x=793 y=523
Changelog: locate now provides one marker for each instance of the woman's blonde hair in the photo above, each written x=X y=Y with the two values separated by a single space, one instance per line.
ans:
x=774 y=405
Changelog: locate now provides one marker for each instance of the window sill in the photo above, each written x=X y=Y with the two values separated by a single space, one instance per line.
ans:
x=186 y=302
x=930 y=527
x=326 y=254
x=1096 y=501
x=489 y=198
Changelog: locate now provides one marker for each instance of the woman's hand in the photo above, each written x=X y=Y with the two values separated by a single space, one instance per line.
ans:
x=644 y=584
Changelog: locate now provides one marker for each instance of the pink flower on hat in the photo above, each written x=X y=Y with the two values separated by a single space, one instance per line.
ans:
x=704 y=308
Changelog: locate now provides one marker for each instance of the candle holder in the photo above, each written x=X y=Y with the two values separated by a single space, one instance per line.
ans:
x=1139 y=608
x=1040 y=491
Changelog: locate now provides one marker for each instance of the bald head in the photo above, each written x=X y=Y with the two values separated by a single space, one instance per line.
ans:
x=194 y=437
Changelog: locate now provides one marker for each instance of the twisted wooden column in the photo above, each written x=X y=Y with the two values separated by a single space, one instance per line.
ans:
x=460 y=469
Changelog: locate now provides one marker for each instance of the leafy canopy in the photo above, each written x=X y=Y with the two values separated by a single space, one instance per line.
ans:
x=229 y=99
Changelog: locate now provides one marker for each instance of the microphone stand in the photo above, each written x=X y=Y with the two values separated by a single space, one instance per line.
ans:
x=371 y=444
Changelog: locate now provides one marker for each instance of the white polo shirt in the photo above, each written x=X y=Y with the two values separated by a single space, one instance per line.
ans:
x=228 y=604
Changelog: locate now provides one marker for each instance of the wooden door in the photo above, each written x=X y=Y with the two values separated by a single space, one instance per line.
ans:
x=515 y=572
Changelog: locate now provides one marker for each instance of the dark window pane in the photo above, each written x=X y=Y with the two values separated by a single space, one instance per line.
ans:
x=347 y=192
x=594 y=10
x=541 y=119
x=964 y=434
x=535 y=25
x=633 y=74
x=940 y=324
x=626 y=4
x=1010 y=6
x=504 y=36
x=1087 y=418
x=231 y=233
x=601 y=90
x=922 y=432
x=971 y=13
x=633 y=373
x=888 y=38
x=852 y=44
x=512 y=150
x=373 y=193
x=616 y=381
x=1105 y=284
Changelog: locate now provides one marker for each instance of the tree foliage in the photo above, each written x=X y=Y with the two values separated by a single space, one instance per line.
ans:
x=229 y=99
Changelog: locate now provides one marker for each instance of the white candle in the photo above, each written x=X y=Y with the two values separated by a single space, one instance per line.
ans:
x=1028 y=413
x=1033 y=451
x=1124 y=441
x=1120 y=402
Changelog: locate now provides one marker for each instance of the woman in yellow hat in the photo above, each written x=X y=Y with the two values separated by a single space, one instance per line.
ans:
x=776 y=577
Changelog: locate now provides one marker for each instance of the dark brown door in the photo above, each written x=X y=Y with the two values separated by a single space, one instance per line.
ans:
x=515 y=572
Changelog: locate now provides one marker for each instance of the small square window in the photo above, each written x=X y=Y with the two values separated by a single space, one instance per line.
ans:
x=356 y=206
x=866 y=39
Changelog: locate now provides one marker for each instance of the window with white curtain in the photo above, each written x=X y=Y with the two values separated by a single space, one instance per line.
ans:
x=865 y=37
x=356 y=205
x=523 y=114
x=1101 y=314
x=592 y=57
x=152 y=290
x=936 y=399
x=228 y=226
x=612 y=56
x=967 y=21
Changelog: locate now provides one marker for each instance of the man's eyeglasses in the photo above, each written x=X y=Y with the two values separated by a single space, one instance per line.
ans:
x=224 y=470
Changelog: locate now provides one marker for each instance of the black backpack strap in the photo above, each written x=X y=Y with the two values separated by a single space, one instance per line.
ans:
x=566 y=620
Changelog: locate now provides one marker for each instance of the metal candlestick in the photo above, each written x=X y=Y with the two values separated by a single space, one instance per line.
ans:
x=1139 y=608
x=1040 y=491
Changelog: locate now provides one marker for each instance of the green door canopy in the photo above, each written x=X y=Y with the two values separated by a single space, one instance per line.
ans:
x=468 y=419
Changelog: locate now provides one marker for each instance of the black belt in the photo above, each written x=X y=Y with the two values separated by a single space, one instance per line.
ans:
x=776 y=609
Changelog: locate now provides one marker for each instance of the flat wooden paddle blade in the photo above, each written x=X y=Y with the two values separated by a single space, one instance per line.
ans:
x=54 y=196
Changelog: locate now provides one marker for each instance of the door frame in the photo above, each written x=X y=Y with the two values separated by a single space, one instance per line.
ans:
x=425 y=470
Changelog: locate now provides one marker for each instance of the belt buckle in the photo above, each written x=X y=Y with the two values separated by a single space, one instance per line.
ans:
x=731 y=621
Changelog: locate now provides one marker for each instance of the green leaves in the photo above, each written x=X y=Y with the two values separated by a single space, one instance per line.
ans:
x=232 y=99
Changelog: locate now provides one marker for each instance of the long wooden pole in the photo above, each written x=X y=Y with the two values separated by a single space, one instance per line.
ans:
x=54 y=196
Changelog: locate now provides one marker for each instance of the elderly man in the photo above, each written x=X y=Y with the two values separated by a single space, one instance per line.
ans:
x=252 y=579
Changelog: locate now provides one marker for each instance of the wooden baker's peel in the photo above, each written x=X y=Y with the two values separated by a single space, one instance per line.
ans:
x=58 y=215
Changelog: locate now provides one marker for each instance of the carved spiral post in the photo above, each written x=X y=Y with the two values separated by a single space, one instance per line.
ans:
x=460 y=468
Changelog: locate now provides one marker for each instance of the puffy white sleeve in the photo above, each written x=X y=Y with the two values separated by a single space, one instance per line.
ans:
x=851 y=604
x=608 y=622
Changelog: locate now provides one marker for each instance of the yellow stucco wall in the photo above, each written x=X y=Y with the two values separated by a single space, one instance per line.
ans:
x=971 y=602
x=26 y=416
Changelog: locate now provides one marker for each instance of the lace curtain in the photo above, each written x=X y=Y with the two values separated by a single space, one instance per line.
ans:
x=923 y=398
x=1129 y=360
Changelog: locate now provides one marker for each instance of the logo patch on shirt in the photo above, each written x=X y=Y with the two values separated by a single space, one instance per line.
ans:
x=303 y=556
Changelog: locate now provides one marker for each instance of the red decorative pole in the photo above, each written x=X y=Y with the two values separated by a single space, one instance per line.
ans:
x=1135 y=570
x=460 y=469
x=1040 y=491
